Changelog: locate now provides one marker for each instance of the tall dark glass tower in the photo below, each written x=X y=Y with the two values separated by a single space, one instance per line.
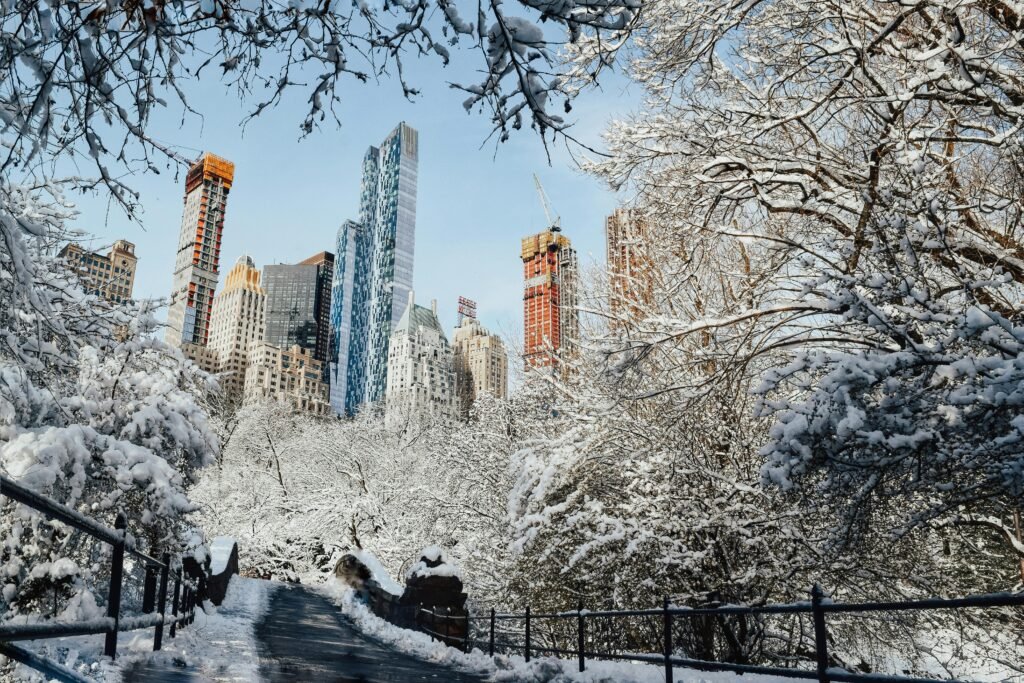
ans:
x=298 y=304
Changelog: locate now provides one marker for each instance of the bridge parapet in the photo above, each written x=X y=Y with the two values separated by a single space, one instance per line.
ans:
x=432 y=600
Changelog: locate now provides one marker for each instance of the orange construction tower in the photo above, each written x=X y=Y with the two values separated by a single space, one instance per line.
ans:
x=196 y=264
x=550 y=319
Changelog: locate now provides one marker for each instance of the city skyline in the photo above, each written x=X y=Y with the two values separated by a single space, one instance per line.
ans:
x=306 y=189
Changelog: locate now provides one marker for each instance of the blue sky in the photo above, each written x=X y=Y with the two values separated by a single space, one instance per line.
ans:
x=475 y=200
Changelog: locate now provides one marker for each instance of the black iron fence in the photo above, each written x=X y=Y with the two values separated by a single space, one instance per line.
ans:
x=154 y=592
x=483 y=631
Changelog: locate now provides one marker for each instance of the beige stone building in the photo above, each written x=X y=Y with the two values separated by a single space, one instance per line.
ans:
x=481 y=363
x=630 y=272
x=237 y=324
x=202 y=356
x=110 y=276
x=291 y=375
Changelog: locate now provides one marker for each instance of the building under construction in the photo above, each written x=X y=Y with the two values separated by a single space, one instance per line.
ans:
x=196 y=266
x=550 y=319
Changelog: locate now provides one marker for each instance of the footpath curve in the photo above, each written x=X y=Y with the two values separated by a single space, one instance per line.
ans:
x=303 y=637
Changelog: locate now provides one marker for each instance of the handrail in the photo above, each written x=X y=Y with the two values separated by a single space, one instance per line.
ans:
x=154 y=600
x=818 y=607
x=63 y=513
x=15 y=491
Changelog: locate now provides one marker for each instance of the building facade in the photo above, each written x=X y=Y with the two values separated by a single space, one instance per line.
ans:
x=382 y=266
x=290 y=375
x=237 y=324
x=196 y=264
x=550 y=317
x=480 y=362
x=421 y=377
x=342 y=286
x=297 y=311
x=110 y=276
x=630 y=277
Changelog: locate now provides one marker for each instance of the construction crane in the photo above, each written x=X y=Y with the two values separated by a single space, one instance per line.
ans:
x=554 y=224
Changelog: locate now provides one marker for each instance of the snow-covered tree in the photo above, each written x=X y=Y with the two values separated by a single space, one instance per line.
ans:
x=94 y=413
x=851 y=171
x=82 y=77
x=296 y=490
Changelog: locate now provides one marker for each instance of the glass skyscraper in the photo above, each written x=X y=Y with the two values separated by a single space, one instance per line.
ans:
x=371 y=289
x=298 y=297
x=341 y=312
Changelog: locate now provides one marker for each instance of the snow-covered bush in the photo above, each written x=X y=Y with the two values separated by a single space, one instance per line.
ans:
x=95 y=413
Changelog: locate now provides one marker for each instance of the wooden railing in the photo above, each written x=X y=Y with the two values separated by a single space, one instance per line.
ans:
x=154 y=594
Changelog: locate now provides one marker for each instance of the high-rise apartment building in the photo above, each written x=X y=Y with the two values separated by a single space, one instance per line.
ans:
x=237 y=324
x=110 y=276
x=196 y=264
x=382 y=246
x=550 y=317
x=291 y=375
x=420 y=378
x=342 y=285
x=629 y=265
x=297 y=311
x=481 y=363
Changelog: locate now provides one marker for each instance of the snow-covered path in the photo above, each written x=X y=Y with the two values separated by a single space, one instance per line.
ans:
x=303 y=637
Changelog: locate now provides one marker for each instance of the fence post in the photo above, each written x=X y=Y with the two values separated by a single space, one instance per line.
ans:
x=668 y=642
x=433 y=623
x=174 y=603
x=820 y=634
x=527 y=633
x=149 y=589
x=492 y=632
x=161 y=598
x=114 y=594
x=581 y=636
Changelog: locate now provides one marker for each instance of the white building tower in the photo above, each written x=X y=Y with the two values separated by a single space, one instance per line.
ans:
x=420 y=374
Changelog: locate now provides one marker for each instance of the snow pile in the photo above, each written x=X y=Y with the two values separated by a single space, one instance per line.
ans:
x=378 y=572
x=514 y=668
x=432 y=555
x=220 y=553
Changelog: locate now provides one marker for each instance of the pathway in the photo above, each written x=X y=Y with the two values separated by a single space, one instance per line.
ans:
x=303 y=637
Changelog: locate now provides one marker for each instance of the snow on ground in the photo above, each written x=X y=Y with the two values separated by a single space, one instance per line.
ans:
x=515 y=668
x=220 y=644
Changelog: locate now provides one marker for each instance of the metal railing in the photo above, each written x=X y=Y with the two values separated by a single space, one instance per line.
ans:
x=154 y=594
x=818 y=608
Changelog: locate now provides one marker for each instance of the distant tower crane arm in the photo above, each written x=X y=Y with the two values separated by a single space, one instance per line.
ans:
x=554 y=224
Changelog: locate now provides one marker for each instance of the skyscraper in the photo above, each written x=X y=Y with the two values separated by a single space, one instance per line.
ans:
x=481 y=363
x=420 y=380
x=342 y=285
x=196 y=264
x=111 y=276
x=237 y=324
x=382 y=244
x=550 y=318
x=629 y=266
x=298 y=304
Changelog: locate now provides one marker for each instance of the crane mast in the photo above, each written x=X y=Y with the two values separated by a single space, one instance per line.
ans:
x=554 y=224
